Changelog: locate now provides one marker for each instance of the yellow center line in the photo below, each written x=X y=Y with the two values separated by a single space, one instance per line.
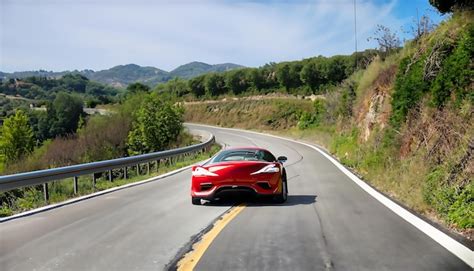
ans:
x=191 y=259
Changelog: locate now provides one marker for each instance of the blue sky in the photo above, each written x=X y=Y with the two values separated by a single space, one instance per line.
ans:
x=99 y=34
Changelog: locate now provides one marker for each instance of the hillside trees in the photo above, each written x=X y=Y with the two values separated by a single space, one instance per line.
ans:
x=157 y=123
x=16 y=137
x=64 y=113
x=445 y=6
x=196 y=86
x=310 y=75
x=214 y=84
x=283 y=76
x=137 y=87
x=236 y=81
x=42 y=88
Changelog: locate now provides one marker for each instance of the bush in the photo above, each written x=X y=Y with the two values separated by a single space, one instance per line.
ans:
x=457 y=72
x=314 y=118
x=454 y=203
x=156 y=124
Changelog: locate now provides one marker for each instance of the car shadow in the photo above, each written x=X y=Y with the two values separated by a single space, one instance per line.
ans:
x=252 y=201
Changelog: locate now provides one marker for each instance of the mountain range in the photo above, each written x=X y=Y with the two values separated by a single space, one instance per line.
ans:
x=122 y=75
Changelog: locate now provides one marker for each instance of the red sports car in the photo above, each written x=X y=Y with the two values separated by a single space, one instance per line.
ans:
x=240 y=170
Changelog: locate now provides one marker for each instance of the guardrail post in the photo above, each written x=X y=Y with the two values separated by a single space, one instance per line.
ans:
x=75 y=185
x=125 y=173
x=46 y=192
x=110 y=176
x=148 y=168
x=138 y=169
x=93 y=180
x=157 y=165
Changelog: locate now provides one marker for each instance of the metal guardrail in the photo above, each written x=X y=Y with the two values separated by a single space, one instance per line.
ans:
x=39 y=177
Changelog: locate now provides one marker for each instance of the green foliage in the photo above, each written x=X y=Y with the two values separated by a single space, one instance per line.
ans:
x=43 y=88
x=236 y=81
x=157 y=123
x=137 y=87
x=256 y=78
x=214 y=84
x=345 y=146
x=453 y=78
x=16 y=137
x=445 y=6
x=196 y=86
x=298 y=77
x=457 y=71
x=311 y=75
x=64 y=112
x=454 y=203
x=315 y=118
x=283 y=76
x=409 y=88
x=347 y=99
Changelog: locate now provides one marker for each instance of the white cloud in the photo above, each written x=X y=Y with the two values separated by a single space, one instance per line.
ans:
x=60 y=35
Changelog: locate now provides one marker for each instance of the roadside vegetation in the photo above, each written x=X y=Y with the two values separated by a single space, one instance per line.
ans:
x=404 y=122
x=20 y=200
x=141 y=122
x=305 y=77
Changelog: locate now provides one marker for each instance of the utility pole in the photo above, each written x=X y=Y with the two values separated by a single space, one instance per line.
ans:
x=355 y=33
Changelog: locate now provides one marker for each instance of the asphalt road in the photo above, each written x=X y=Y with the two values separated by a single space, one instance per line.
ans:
x=328 y=223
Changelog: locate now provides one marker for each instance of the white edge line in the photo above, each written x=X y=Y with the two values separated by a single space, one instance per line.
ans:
x=455 y=247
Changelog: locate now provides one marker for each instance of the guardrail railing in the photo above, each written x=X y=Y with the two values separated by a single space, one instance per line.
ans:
x=42 y=177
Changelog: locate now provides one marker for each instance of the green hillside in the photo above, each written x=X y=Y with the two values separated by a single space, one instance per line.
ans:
x=405 y=123
x=195 y=68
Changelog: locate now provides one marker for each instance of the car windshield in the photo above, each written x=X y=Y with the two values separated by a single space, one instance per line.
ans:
x=243 y=155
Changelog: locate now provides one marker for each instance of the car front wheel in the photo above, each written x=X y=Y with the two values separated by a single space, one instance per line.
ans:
x=283 y=196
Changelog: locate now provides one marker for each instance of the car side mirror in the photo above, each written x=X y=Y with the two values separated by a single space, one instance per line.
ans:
x=282 y=159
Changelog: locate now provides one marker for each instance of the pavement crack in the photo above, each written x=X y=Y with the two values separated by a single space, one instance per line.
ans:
x=328 y=263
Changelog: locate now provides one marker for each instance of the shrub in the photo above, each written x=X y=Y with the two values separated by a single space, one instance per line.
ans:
x=315 y=117
x=157 y=123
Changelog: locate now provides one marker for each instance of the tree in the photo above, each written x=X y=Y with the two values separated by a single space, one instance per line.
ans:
x=74 y=82
x=157 y=123
x=196 y=85
x=445 y=6
x=138 y=87
x=294 y=73
x=283 y=76
x=311 y=76
x=177 y=87
x=387 y=40
x=255 y=78
x=16 y=138
x=65 y=112
x=235 y=81
x=422 y=26
x=214 y=84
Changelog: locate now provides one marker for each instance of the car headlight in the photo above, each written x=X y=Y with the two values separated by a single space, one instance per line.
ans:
x=267 y=169
x=202 y=172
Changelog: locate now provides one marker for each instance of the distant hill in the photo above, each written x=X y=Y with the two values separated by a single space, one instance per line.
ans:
x=195 y=68
x=122 y=75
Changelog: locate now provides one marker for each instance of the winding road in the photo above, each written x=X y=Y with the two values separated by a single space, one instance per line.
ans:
x=328 y=223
